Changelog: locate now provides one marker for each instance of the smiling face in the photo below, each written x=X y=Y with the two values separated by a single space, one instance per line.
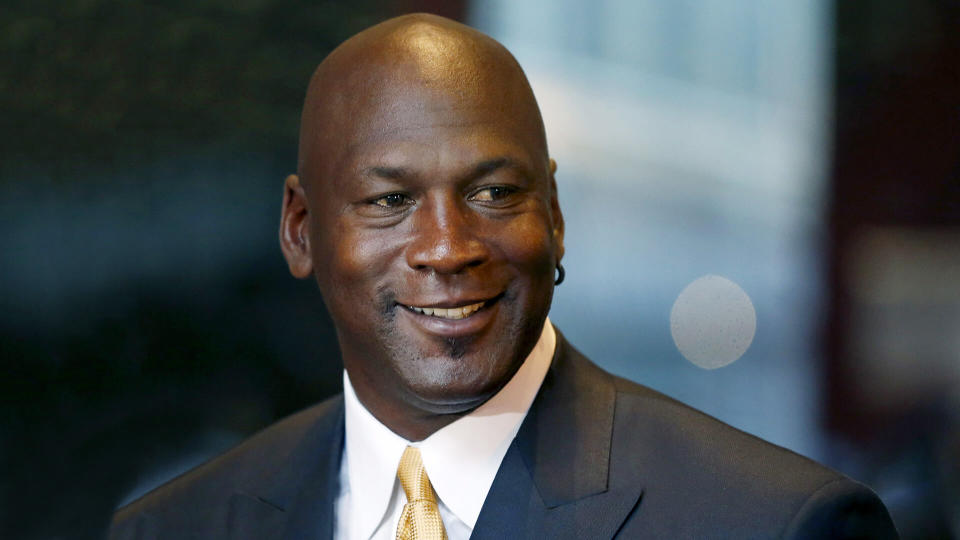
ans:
x=428 y=215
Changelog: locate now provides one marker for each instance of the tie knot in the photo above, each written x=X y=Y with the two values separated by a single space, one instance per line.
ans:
x=413 y=477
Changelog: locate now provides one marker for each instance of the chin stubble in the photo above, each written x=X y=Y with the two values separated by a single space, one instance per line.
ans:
x=456 y=348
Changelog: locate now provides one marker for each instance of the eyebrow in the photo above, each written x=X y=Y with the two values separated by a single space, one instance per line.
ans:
x=486 y=167
x=479 y=170
x=392 y=173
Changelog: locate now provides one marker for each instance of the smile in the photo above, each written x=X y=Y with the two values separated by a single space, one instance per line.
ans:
x=449 y=313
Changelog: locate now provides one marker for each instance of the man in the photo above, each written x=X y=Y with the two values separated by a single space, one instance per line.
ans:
x=426 y=209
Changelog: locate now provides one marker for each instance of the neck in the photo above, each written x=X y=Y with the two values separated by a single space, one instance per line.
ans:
x=417 y=415
x=414 y=422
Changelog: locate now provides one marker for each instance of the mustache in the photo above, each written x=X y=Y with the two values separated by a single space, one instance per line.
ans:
x=385 y=302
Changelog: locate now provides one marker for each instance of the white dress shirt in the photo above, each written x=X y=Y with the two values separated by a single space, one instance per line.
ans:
x=461 y=459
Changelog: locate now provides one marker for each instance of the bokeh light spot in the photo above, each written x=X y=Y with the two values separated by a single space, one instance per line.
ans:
x=713 y=322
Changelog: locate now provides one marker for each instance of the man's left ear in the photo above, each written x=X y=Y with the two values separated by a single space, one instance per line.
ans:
x=295 y=228
x=555 y=212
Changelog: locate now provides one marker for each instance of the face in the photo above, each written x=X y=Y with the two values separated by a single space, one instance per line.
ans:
x=433 y=232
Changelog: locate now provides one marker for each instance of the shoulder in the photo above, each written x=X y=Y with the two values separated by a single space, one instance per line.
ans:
x=702 y=447
x=204 y=493
x=713 y=477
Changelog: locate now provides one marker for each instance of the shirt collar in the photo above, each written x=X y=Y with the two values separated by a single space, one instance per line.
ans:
x=461 y=459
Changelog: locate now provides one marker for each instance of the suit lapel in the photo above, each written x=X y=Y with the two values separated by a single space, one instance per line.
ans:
x=252 y=517
x=312 y=513
x=555 y=480
x=294 y=500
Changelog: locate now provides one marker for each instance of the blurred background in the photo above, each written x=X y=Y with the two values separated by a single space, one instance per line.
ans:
x=808 y=151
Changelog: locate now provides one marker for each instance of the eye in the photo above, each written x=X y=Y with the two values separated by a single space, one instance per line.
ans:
x=492 y=193
x=392 y=200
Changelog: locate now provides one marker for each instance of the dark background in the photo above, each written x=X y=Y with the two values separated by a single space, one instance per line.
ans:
x=148 y=318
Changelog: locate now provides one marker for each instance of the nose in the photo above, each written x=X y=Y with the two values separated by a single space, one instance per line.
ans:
x=446 y=238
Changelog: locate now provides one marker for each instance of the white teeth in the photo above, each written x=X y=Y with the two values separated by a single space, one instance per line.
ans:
x=449 y=313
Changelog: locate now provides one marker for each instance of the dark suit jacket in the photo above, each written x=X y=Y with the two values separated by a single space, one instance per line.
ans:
x=597 y=457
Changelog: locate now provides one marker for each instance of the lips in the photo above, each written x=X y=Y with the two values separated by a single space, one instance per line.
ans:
x=449 y=313
x=453 y=316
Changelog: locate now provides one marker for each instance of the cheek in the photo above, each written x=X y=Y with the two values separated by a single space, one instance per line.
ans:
x=350 y=263
x=528 y=243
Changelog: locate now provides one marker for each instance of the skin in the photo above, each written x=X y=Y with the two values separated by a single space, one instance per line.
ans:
x=424 y=180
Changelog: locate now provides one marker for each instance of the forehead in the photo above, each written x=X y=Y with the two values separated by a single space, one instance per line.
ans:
x=436 y=125
x=388 y=105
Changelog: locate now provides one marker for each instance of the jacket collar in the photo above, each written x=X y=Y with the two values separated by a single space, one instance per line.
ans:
x=565 y=439
x=295 y=498
x=555 y=479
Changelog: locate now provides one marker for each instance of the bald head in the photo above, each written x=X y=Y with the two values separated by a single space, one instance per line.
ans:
x=396 y=73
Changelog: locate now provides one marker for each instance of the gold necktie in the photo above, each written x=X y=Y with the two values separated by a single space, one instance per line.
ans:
x=420 y=519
